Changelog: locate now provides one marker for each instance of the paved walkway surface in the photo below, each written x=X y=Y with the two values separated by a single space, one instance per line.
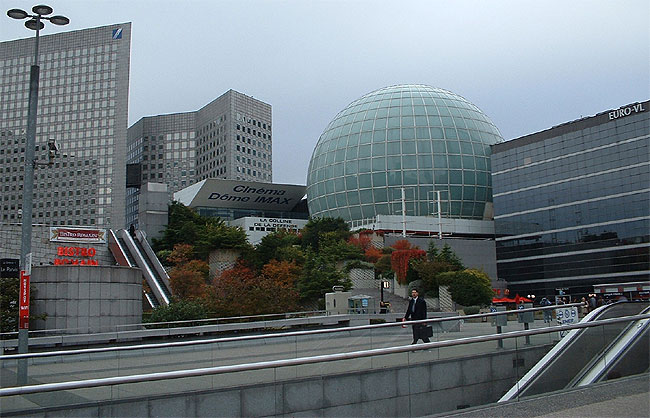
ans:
x=625 y=397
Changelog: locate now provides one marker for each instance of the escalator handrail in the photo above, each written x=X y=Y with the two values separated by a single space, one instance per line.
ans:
x=147 y=259
x=550 y=356
x=156 y=288
x=153 y=259
x=115 y=245
x=150 y=300
x=113 y=239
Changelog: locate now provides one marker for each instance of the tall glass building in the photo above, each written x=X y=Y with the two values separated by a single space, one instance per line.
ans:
x=572 y=204
x=414 y=137
x=83 y=105
x=229 y=138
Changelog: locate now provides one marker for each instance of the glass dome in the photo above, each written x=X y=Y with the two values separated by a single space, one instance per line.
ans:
x=416 y=137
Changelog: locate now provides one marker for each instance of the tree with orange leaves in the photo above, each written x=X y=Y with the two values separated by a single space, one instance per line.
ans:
x=241 y=291
x=362 y=241
x=188 y=277
x=281 y=278
x=401 y=256
x=373 y=254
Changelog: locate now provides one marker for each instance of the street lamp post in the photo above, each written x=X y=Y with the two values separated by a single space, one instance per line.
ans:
x=34 y=23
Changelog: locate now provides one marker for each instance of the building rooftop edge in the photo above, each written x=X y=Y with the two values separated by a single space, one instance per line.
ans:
x=563 y=128
x=31 y=38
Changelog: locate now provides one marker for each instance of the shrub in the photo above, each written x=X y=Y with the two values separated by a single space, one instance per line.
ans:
x=178 y=310
x=468 y=287
x=471 y=310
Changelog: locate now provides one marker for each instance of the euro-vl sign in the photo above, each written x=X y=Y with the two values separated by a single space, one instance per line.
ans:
x=626 y=111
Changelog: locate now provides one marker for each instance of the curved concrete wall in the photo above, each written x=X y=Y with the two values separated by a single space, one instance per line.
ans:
x=86 y=299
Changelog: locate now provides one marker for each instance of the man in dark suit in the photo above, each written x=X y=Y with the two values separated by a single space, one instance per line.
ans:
x=417 y=310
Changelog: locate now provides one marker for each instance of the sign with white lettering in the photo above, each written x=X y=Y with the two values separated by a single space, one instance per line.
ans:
x=23 y=301
x=627 y=111
x=77 y=235
x=9 y=268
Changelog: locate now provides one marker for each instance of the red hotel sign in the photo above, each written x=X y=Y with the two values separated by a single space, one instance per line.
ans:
x=77 y=235
x=23 y=315
x=86 y=253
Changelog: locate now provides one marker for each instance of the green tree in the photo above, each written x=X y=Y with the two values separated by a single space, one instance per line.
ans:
x=319 y=275
x=205 y=233
x=428 y=272
x=383 y=266
x=437 y=262
x=9 y=289
x=332 y=244
x=448 y=256
x=216 y=235
x=280 y=245
x=9 y=304
x=468 y=287
x=315 y=229
x=182 y=227
x=432 y=251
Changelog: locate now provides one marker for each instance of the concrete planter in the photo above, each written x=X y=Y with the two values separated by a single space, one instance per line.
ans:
x=86 y=299
x=222 y=260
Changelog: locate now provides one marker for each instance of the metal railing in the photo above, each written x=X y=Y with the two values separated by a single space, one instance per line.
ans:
x=151 y=377
x=170 y=324
x=271 y=336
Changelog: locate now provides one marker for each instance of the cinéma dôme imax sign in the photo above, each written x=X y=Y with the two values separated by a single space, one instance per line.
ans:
x=243 y=193
x=219 y=193
x=81 y=235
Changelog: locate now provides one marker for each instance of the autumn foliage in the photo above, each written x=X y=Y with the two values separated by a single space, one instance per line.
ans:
x=188 y=277
x=273 y=276
x=400 y=258
x=363 y=241
x=241 y=291
x=373 y=254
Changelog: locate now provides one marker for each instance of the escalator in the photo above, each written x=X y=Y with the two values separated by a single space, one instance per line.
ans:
x=135 y=251
x=587 y=355
x=628 y=355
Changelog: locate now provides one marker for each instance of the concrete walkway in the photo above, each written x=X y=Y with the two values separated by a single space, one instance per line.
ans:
x=625 y=397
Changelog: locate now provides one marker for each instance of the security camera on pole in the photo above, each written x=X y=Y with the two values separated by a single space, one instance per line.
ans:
x=34 y=23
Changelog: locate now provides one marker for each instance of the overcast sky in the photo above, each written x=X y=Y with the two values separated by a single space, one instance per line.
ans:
x=528 y=65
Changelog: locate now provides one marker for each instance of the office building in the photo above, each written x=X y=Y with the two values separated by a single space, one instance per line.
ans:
x=572 y=204
x=229 y=138
x=83 y=106
x=389 y=158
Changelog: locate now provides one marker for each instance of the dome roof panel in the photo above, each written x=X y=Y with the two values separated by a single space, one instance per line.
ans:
x=363 y=142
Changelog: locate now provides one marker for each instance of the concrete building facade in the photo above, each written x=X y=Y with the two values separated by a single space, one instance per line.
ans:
x=162 y=149
x=229 y=138
x=83 y=105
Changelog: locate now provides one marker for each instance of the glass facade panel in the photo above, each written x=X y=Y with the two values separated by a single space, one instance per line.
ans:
x=571 y=205
x=402 y=136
